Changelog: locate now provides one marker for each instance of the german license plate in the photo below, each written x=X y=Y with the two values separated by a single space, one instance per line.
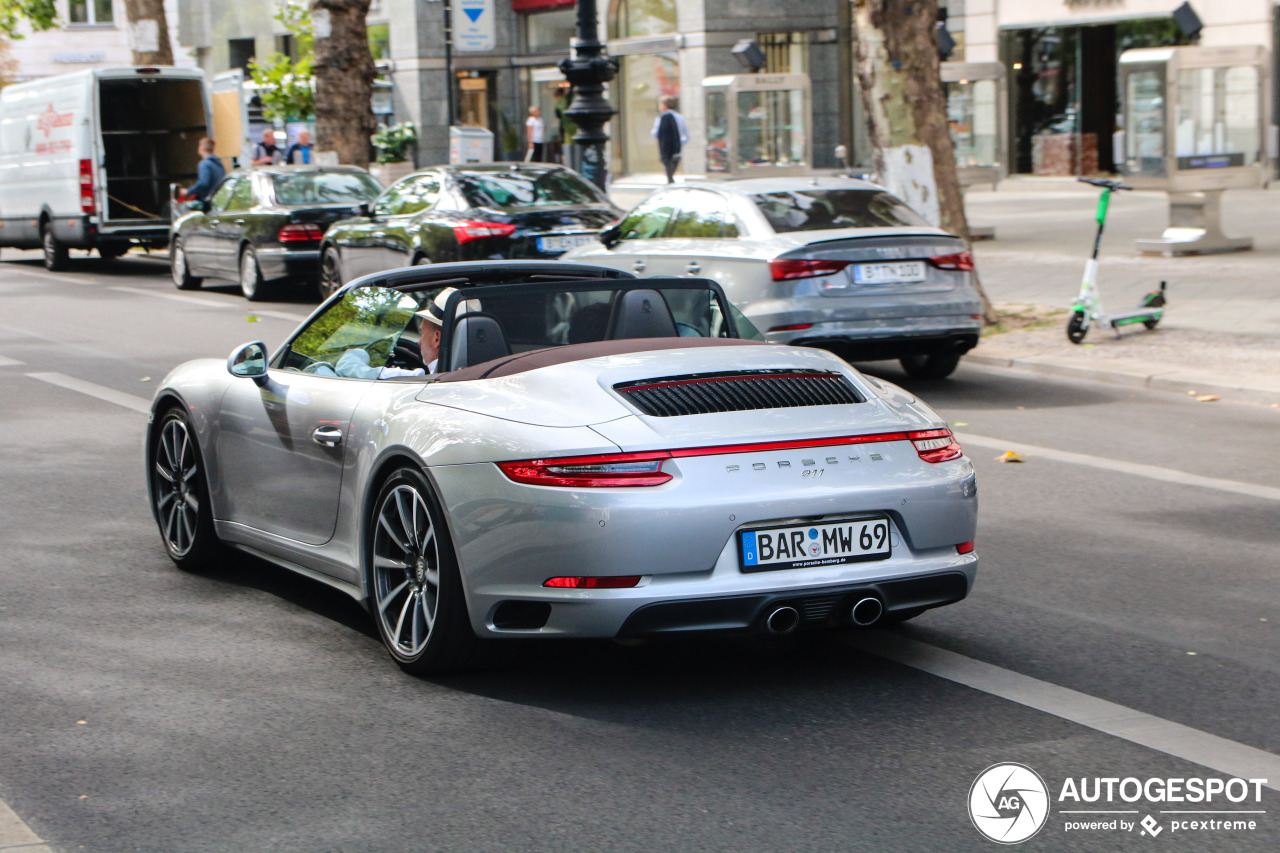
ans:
x=563 y=242
x=900 y=273
x=804 y=546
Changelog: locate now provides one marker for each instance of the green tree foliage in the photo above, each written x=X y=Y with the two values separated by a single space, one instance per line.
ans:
x=284 y=84
x=40 y=14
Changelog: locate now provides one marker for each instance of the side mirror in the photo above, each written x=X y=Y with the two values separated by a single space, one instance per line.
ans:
x=249 y=360
x=611 y=235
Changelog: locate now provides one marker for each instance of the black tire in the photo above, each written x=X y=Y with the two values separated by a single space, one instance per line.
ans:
x=251 y=284
x=180 y=493
x=179 y=269
x=420 y=261
x=330 y=280
x=414 y=586
x=936 y=365
x=1075 y=327
x=1151 y=324
x=113 y=251
x=55 y=254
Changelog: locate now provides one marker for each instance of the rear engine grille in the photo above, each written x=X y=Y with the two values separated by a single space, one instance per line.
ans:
x=739 y=391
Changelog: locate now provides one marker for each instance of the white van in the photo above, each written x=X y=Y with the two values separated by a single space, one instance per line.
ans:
x=86 y=159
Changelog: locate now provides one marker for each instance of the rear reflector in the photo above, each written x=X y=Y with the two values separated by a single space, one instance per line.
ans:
x=86 y=187
x=783 y=269
x=617 y=582
x=300 y=232
x=936 y=445
x=468 y=231
x=959 y=261
x=965 y=548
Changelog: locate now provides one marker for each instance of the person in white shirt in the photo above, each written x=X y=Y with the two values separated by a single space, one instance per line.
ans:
x=534 y=130
x=672 y=133
x=354 y=363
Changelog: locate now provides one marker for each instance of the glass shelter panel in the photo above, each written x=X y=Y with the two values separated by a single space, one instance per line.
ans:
x=974 y=121
x=717 y=132
x=1217 y=123
x=771 y=129
x=1145 y=123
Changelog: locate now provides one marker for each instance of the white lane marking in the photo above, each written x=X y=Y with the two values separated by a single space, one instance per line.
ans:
x=101 y=392
x=51 y=276
x=5 y=361
x=1168 y=475
x=15 y=834
x=212 y=303
x=1216 y=753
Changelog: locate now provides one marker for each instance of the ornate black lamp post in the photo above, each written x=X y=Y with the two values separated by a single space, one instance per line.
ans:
x=588 y=69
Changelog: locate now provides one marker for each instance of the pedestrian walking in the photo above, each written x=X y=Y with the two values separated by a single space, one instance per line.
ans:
x=266 y=152
x=299 y=152
x=209 y=174
x=672 y=133
x=535 y=132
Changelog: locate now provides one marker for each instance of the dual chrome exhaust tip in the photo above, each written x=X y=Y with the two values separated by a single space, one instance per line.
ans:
x=785 y=619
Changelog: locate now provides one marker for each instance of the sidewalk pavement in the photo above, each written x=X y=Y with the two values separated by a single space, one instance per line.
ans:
x=1220 y=335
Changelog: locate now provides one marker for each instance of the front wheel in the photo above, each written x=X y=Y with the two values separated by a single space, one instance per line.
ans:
x=935 y=365
x=180 y=493
x=1076 y=328
x=415 y=588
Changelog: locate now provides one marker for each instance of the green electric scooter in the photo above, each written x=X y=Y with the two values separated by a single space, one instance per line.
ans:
x=1087 y=308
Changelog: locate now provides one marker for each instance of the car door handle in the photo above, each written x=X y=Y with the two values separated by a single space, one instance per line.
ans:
x=239 y=221
x=329 y=436
x=694 y=268
x=638 y=266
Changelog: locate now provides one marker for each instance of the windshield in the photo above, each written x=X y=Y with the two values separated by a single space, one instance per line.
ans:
x=818 y=210
x=325 y=188
x=527 y=188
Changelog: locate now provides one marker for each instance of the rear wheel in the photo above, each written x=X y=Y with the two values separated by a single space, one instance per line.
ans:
x=330 y=274
x=251 y=276
x=180 y=493
x=415 y=589
x=1151 y=324
x=179 y=270
x=55 y=254
x=1076 y=329
x=935 y=365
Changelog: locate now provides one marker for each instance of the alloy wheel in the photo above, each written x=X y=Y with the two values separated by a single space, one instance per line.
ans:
x=176 y=492
x=406 y=571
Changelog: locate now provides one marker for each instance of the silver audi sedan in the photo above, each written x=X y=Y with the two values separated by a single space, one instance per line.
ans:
x=829 y=262
x=481 y=451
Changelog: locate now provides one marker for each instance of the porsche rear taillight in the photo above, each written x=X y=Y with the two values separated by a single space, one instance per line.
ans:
x=784 y=269
x=936 y=445
x=300 y=232
x=468 y=231
x=608 y=582
x=608 y=470
x=961 y=261
x=86 y=187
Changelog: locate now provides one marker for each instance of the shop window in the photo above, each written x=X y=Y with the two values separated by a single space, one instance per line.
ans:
x=633 y=18
x=90 y=12
x=785 y=53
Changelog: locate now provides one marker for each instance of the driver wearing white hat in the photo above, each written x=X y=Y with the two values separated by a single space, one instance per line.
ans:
x=355 y=362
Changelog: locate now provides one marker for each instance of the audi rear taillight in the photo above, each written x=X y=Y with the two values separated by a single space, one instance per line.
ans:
x=961 y=261
x=784 y=269
x=610 y=582
x=300 y=232
x=468 y=231
x=936 y=445
x=608 y=470
x=86 y=187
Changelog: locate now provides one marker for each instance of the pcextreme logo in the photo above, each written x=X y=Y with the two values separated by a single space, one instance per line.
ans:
x=1009 y=803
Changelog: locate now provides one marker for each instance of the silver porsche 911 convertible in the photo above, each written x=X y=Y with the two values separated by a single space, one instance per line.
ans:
x=516 y=449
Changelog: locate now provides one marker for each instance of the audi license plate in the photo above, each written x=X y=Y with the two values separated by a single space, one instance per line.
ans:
x=901 y=273
x=563 y=242
x=805 y=546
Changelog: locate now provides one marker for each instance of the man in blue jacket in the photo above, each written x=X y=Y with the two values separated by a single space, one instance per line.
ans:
x=209 y=174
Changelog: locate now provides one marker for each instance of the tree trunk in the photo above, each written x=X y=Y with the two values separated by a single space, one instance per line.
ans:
x=344 y=75
x=149 y=32
x=896 y=56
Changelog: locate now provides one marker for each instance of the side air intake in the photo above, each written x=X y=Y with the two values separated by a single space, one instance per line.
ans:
x=738 y=391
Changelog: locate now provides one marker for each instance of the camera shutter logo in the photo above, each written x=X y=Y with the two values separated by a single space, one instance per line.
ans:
x=1008 y=803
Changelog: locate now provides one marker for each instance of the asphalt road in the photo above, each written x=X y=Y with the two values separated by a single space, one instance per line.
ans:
x=251 y=710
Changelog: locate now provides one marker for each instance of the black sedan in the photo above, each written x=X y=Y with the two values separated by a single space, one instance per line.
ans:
x=475 y=212
x=264 y=226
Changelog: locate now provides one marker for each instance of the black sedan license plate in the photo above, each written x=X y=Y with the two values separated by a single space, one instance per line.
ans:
x=803 y=546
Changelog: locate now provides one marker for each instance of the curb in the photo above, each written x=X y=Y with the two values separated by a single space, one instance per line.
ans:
x=1153 y=381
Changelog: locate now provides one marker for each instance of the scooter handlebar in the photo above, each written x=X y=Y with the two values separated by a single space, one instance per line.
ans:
x=1102 y=182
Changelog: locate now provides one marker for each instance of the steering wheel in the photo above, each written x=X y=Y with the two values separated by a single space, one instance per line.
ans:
x=407 y=354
